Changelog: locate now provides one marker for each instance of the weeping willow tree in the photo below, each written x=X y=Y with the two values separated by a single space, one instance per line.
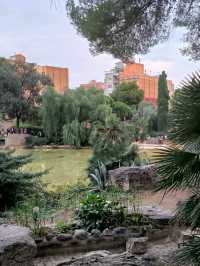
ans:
x=76 y=134
x=179 y=164
x=53 y=117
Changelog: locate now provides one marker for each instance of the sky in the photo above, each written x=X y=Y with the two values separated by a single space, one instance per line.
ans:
x=41 y=31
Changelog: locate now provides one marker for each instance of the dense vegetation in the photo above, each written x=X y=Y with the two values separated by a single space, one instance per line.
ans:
x=15 y=185
x=179 y=164
x=20 y=86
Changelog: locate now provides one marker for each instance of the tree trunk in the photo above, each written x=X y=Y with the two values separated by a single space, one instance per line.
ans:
x=17 y=122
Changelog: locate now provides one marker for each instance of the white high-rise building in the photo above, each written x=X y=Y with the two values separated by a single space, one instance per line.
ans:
x=111 y=79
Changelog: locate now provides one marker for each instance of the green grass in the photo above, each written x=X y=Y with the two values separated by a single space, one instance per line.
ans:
x=65 y=166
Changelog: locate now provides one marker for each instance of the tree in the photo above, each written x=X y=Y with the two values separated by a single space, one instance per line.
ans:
x=15 y=184
x=128 y=93
x=52 y=115
x=122 y=110
x=126 y=28
x=163 y=105
x=20 y=87
x=179 y=164
x=109 y=140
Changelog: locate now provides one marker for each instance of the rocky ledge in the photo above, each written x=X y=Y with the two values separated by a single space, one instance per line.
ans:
x=17 y=247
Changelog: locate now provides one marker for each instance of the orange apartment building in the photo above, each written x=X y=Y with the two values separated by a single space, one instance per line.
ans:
x=58 y=75
x=93 y=84
x=149 y=84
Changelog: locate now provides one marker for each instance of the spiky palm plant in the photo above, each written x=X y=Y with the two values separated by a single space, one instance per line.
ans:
x=179 y=164
x=99 y=176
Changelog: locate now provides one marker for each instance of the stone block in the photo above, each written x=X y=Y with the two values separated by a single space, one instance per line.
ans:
x=137 y=246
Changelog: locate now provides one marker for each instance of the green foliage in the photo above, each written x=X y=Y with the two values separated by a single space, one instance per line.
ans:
x=179 y=164
x=128 y=93
x=20 y=86
x=32 y=141
x=99 y=176
x=98 y=213
x=126 y=28
x=52 y=115
x=101 y=113
x=189 y=254
x=109 y=140
x=163 y=105
x=15 y=184
x=122 y=110
x=63 y=227
x=76 y=134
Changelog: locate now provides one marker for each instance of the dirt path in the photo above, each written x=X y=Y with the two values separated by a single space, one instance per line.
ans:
x=168 y=202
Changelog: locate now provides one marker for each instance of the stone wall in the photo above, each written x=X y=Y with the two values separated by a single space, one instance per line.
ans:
x=130 y=177
x=14 y=140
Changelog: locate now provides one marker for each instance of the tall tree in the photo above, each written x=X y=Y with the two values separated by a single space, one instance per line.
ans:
x=124 y=28
x=20 y=87
x=52 y=115
x=128 y=93
x=163 y=102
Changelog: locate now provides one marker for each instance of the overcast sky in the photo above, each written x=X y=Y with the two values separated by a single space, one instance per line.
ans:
x=42 y=32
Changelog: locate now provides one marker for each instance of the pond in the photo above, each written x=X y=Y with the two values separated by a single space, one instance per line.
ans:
x=66 y=166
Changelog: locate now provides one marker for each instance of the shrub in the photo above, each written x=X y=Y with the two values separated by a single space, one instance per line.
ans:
x=32 y=141
x=96 y=212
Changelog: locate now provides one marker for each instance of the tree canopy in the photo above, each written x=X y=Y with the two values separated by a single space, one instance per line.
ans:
x=20 y=87
x=128 y=27
x=128 y=93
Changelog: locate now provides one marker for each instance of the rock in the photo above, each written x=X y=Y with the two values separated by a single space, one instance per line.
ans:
x=137 y=245
x=130 y=177
x=80 y=234
x=96 y=233
x=64 y=237
x=120 y=232
x=17 y=247
x=107 y=232
x=103 y=258
x=38 y=240
x=50 y=236
x=157 y=215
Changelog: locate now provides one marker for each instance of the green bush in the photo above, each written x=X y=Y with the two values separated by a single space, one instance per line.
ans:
x=32 y=141
x=96 y=212
x=63 y=227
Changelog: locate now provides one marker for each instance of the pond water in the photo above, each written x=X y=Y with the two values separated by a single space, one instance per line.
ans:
x=66 y=166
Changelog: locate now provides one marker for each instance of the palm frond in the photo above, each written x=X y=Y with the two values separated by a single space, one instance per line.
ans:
x=189 y=254
x=189 y=211
x=184 y=117
x=178 y=168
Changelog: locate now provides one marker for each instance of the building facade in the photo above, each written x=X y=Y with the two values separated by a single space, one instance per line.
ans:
x=133 y=71
x=93 y=84
x=58 y=75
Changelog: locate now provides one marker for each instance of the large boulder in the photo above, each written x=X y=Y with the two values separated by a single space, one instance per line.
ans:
x=17 y=247
x=131 y=177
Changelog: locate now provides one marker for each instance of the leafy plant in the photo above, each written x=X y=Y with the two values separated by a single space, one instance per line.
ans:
x=96 y=212
x=63 y=227
x=99 y=177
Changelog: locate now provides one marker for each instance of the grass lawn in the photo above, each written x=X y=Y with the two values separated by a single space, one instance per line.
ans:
x=65 y=166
